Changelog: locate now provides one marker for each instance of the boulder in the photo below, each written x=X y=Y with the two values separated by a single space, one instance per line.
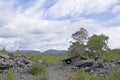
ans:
x=4 y=65
x=4 y=56
x=84 y=63
x=40 y=61
x=112 y=60
x=118 y=62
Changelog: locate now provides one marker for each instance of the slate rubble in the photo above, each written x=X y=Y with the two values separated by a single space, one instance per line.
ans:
x=18 y=64
x=93 y=67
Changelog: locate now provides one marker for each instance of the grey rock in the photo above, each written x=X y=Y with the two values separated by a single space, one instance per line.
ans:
x=9 y=61
x=94 y=67
x=40 y=61
x=87 y=69
x=84 y=63
x=4 y=56
x=118 y=62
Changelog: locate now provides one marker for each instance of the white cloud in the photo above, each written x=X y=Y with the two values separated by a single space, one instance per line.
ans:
x=77 y=7
x=116 y=9
x=36 y=8
x=30 y=33
x=28 y=29
x=113 y=33
x=99 y=6
x=67 y=7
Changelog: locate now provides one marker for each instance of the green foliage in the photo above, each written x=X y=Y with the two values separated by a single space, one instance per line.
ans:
x=108 y=55
x=44 y=77
x=76 y=49
x=10 y=74
x=4 y=51
x=37 y=69
x=80 y=36
x=116 y=73
x=105 y=55
x=97 y=43
x=81 y=75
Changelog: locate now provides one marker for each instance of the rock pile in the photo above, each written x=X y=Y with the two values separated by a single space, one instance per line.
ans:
x=19 y=64
x=94 y=67
x=9 y=61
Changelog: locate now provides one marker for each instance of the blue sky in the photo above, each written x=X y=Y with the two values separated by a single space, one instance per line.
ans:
x=48 y=24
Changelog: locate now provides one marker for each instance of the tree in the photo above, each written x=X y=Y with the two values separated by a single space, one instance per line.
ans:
x=78 y=47
x=97 y=43
x=80 y=36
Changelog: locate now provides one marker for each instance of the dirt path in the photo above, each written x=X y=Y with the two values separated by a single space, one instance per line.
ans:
x=55 y=73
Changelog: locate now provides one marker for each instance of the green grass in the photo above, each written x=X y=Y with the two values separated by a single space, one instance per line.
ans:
x=116 y=73
x=53 y=58
x=10 y=75
x=34 y=57
x=46 y=58
x=82 y=75
x=37 y=69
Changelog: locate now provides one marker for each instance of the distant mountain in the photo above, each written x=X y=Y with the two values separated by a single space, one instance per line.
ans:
x=56 y=52
x=29 y=51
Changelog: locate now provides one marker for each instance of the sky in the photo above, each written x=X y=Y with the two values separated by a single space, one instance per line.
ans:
x=48 y=24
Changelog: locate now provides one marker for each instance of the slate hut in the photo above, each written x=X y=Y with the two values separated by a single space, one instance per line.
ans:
x=72 y=60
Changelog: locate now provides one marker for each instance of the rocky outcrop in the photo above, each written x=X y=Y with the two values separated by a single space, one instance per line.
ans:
x=94 y=67
x=18 y=64
x=9 y=61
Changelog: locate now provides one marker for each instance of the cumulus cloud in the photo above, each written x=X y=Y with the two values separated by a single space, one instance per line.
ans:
x=78 y=7
x=34 y=25
x=113 y=33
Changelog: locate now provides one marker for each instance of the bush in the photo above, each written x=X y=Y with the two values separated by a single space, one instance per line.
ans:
x=4 y=51
x=37 y=69
x=10 y=75
x=116 y=73
x=44 y=77
x=82 y=75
